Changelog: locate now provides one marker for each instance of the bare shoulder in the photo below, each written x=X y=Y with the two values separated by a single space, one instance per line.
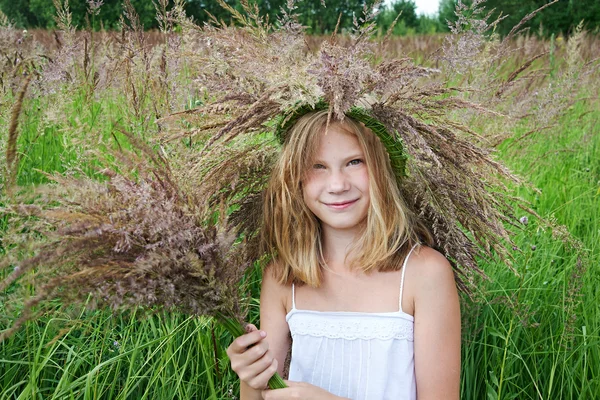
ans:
x=275 y=297
x=428 y=275
x=271 y=288
x=430 y=269
x=268 y=276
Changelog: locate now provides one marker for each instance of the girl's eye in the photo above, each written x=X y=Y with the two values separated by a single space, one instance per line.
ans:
x=355 y=162
x=318 y=166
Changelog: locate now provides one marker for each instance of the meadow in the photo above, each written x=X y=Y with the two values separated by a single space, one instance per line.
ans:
x=532 y=333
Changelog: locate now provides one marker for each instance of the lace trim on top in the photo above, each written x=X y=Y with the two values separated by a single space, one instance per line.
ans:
x=351 y=325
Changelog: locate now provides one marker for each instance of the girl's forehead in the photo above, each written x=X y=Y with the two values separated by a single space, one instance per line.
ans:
x=337 y=140
x=335 y=131
x=339 y=127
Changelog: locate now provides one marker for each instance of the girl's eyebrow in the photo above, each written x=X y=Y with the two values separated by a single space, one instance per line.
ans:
x=347 y=158
x=356 y=155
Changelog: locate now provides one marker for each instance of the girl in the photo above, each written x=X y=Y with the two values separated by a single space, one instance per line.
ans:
x=372 y=311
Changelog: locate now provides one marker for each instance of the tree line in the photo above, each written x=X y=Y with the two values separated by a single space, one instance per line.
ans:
x=559 y=18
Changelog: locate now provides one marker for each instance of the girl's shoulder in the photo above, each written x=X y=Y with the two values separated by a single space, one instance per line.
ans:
x=427 y=265
x=427 y=258
x=428 y=273
x=272 y=289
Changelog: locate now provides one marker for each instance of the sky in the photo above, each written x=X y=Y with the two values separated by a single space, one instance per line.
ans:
x=427 y=6
x=424 y=6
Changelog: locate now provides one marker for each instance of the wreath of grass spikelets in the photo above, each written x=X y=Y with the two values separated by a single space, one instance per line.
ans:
x=258 y=83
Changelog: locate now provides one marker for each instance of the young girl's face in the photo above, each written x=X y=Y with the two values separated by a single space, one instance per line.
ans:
x=336 y=187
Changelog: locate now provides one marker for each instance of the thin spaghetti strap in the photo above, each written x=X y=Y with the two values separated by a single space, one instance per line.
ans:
x=293 y=298
x=402 y=279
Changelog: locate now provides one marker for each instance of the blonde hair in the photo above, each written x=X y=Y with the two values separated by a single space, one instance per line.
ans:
x=291 y=232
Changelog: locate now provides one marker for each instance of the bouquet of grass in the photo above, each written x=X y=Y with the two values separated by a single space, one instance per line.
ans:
x=145 y=235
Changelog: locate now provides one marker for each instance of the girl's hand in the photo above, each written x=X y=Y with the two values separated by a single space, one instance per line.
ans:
x=299 y=390
x=251 y=358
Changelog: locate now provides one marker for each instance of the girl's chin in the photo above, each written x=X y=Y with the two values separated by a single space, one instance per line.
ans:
x=342 y=225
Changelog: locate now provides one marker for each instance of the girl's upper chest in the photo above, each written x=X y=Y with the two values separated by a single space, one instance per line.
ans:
x=367 y=293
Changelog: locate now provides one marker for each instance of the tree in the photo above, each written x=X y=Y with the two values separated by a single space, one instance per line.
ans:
x=559 y=18
x=407 y=22
x=429 y=25
x=312 y=14
x=40 y=13
x=446 y=13
x=202 y=9
x=323 y=20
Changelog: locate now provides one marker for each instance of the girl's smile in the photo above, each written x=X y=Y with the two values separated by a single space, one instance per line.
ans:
x=341 y=205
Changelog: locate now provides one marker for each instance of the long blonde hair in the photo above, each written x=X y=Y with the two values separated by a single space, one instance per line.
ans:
x=291 y=232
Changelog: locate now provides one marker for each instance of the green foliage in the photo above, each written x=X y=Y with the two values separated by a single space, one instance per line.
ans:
x=408 y=22
x=560 y=18
x=40 y=13
x=319 y=19
x=531 y=336
x=200 y=9
x=446 y=13
x=106 y=356
x=429 y=25
x=323 y=20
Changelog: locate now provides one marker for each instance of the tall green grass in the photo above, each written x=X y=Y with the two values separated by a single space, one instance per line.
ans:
x=100 y=355
x=536 y=335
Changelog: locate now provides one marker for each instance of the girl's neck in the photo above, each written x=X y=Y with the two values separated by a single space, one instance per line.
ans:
x=336 y=247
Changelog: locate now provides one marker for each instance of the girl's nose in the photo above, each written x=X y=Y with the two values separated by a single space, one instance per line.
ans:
x=338 y=182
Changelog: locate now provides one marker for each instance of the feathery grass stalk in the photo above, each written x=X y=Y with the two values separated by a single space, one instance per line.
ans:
x=11 y=150
x=234 y=327
x=507 y=338
x=502 y=369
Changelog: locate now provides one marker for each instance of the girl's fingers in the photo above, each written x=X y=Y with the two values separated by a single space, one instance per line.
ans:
x=261 y=380
x=254 y=367
x=277 y=394
x=250 y=328
x=240 y=344
x=250 y=358
x=255 y=352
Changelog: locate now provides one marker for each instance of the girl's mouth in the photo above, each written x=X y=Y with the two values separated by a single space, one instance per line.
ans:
x=341 y=205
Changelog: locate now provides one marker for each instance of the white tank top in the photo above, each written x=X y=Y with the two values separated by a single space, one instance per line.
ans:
x=356 y=355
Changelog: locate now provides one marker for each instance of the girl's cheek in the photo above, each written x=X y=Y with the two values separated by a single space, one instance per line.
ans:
x=364 y=174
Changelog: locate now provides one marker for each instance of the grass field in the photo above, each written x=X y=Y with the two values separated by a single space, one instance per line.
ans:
x=531 y=335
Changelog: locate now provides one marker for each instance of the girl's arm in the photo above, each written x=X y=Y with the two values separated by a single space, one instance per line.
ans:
x=272 y=320
x=437 y=326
